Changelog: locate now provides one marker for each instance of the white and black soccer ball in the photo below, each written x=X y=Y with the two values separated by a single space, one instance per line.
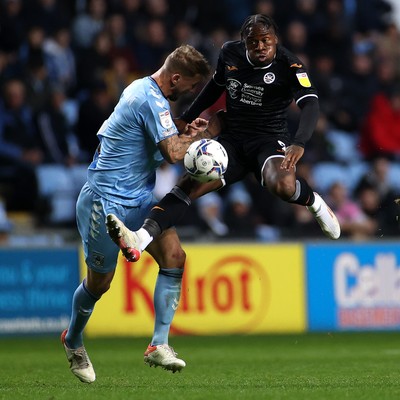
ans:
x=206 y=160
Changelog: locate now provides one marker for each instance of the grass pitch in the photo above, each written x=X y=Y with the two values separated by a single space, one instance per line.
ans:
x=313 y=366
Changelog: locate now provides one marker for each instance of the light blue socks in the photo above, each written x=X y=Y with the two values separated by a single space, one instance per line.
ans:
x=82 y=307
x=166 y=299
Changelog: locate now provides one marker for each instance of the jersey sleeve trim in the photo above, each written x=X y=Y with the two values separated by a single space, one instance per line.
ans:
x=219 y=84
x=307 y=95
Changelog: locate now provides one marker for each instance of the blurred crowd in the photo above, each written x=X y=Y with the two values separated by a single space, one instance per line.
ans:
x=64 y=64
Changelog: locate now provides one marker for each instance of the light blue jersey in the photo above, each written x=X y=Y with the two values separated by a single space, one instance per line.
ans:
x=124 y=169
x=121 y=177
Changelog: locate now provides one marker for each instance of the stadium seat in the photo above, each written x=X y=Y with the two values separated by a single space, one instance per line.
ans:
x=325 y=174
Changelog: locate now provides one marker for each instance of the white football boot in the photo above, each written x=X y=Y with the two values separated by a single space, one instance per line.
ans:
x=125 y=239
x=325 y=217
x=163 y=356
x=79 y=361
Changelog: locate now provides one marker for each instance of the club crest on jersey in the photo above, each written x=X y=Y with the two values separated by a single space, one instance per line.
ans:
x=165 y=119
x=269 y=77
x=303 y=79
x=233 y=88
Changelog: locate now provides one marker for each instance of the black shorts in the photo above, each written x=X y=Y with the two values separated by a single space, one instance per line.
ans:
x=249 y=154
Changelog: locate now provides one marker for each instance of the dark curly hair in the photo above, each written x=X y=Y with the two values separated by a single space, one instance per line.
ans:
x=255 y=19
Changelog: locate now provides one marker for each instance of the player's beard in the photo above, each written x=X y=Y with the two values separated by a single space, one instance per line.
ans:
x=175 y=94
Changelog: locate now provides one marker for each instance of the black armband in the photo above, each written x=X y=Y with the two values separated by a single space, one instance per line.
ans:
x=169 y=211
x=308 y=120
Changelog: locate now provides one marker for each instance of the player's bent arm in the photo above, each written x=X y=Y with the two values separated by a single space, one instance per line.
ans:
x=174 y=148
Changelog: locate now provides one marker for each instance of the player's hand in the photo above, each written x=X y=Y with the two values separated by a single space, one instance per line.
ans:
x=200 y=124
x=196 y=126
x=293 y=154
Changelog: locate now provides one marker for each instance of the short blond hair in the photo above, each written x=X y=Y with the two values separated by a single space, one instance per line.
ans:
x=187 y=61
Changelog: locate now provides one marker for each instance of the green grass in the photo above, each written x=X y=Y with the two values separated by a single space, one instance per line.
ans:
x=313 y=366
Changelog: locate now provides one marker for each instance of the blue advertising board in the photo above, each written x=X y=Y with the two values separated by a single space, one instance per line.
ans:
x=36 y=288
x=353 y=286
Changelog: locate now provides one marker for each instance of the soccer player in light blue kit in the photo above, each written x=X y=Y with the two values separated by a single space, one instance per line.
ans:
x=134 y=140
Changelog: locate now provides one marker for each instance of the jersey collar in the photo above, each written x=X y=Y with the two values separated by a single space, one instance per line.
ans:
x=264 y=67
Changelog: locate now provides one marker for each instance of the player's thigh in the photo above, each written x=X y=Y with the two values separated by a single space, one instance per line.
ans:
x=100 y=252
x=237 y=165
x=166 y=249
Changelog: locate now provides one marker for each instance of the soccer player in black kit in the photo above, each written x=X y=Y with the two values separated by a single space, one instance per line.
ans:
x=261 y=78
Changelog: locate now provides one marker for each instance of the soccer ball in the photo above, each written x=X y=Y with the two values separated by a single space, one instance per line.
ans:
x=206 y=160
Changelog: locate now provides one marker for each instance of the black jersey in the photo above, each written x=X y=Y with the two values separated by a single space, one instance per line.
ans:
x=257 y=98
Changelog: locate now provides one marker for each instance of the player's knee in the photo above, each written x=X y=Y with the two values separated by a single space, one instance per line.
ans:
x=284 y=187
x=177 y=257
x=98 y=284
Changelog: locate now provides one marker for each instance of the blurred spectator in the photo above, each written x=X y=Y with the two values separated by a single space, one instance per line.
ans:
x=377 y=177
x=19 y=148
x=92 y=113
x=59 y=178
x=51 y=15
x=12 y=25
x=154 y=47
x=233 y=20
x=184 y=33
x=121 y=46
x=87 y=25
x=60 y=60
x=266 y=7
x=371 y=15
x=93 y=63
x=134 y=16
x=328 y=81
x=295 y=37
x=202 y=15
x=387 y=46
x=380 y=133
x=385 y=213
x=37 y=83
x=118 y=77
x=395 y=12
x=32 y=46
x=359 y=85
x=354 y=223
x=239 y=216
x=335 y=36
x=54 y=130
x=307 y=12
x=210 y=208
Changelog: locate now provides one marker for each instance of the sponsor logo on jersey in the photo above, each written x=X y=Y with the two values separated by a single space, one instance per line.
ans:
x=231 y=68
x=269 y=77
x=303 y=79
x=296 y=66
x=165 y=119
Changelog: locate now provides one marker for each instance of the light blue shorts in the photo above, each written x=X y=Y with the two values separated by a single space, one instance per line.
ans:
x=100 y=251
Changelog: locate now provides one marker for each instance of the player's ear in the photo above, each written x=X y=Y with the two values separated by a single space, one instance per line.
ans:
x=175 y=79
